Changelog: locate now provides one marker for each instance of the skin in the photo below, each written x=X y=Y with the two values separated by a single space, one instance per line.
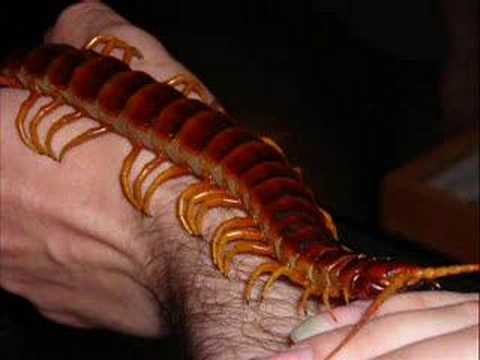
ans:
x=73 y=246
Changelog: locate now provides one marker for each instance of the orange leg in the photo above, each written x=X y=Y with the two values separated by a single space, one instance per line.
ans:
x=234 y=235
x=329 y=223
x=210 y=201
x=302 y=304
x=281 y=271
x=196 y=200
x=22 y=115
x=37 y=119
x=244 y=247
x=56 y=126
x=148 y=169
x=189 y=84
x=125 y=174
x=264 y=268
x=223 y=235
x=172 y=172
x=185 y=198
x=273 y=143
x=111 y=43
x=88 y=135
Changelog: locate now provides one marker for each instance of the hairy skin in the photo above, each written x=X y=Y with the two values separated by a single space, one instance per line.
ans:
x=72 y=245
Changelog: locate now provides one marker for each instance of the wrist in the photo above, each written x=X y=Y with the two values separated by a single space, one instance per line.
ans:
x=210 y=310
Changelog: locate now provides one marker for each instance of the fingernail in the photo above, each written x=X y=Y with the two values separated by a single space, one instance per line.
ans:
x=308 y=328
x=304 y=353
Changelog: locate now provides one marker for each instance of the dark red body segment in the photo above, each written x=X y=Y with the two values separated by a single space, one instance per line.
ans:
x=224 y=142
x=201 y=128
x=274 y=188
x=115 y=93
x=60 y=70
x=91 y=75
x=147 y=103
x=37 y=61
x=171 y=120
x=247 y=155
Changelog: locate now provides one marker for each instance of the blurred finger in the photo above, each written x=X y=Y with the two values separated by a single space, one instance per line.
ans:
x=461 y=344
x=350 y=314
x=393 y=331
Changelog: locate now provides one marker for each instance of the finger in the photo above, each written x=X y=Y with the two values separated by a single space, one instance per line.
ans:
x=350 y=314
x=396 y=330
x=66 y=318
x=461 y=345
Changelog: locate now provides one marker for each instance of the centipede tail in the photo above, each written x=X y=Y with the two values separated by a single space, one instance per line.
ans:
x=237 y=169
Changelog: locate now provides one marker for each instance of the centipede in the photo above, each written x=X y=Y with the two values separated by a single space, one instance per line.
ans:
x=235 y=167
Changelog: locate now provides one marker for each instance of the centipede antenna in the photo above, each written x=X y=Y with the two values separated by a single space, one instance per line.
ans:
x=397 y=284
x=403 y=280
x=432 y=273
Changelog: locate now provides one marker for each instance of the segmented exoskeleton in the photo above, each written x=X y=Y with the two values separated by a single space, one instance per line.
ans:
x=237 y=169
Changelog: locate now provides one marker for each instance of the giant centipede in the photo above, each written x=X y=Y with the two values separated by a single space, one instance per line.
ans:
x=237 y=169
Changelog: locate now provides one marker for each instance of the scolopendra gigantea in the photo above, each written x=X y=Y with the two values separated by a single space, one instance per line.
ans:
x=238 y=168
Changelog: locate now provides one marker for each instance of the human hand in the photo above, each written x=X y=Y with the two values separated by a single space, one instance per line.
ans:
x=417 y=325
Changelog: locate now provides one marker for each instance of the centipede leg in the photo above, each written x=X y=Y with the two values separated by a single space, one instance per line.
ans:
x=172 y=172
x=88 y=135
x=245 y=247
x=189 y=84
x=57 y=126
x=186 y=197
x=264 y=268
x=302 y=304
x=22 y=115
x=281 y=270
x=273 y=143
x=111 y=43
x=147 y=169
x=223 y=234
x=37 y=119
x=223 y=260
x=329 y=223
x=125 y=174
x=212 y=200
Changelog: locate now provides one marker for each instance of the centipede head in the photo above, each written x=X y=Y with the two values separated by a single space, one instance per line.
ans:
x=400 y=277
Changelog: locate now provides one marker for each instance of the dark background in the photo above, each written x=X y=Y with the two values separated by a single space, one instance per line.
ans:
x=350 y=89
